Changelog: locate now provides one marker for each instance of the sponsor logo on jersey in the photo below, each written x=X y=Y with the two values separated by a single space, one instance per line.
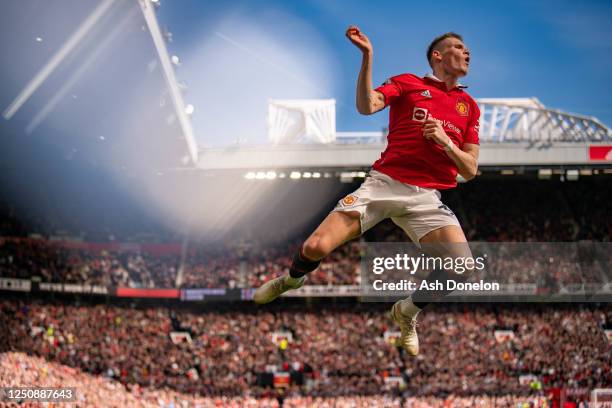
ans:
x=426 y=93
x=349 y=200
x=462 y=108
x=419 y=114
x=446 y=124
x=451 y=126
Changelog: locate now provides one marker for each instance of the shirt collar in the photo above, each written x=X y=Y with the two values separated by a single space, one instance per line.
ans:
x=434 y=78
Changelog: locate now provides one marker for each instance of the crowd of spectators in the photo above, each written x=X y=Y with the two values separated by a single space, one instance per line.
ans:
x=550 y=266
x=337 y=350
x=504 y=211
x=51 y=262
x=521 y=211
x=95 y=391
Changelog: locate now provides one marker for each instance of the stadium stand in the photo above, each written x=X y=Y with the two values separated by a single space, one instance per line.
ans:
x=324 y=350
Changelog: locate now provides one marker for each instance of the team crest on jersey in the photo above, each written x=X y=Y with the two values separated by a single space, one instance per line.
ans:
x=462 y=107
x=349 y=200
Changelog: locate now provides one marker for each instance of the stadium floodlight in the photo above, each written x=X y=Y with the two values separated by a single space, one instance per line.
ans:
x=316 y=175
x=346 y=177
x=271 y=175
x=507 y=172
x=176 y=60
x=307 y=174
x=167 y=34
x=544 y=174
x=250 y=175
x=189 y=109
x=572 y=175
x=260 y=175
x=282 y=175
x=586 y=172
x=295 y=175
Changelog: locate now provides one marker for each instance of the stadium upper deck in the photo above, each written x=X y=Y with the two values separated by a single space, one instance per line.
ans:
x=514 y=132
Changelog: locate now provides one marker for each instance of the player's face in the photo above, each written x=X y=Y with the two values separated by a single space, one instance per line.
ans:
x=455 y=57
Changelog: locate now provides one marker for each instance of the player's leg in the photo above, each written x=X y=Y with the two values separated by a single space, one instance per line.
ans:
x=445 y=242
x=353 y=215
x=436 y=229
x=337 y=228
x=450 y=234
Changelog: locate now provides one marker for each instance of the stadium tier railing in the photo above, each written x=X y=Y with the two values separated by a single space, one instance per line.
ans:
x=510 y=120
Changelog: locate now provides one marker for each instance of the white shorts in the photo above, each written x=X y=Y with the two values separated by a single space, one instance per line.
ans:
x=416 y=210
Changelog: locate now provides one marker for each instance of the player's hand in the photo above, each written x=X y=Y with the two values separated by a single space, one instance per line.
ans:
x=358 y=38
x=432 y=130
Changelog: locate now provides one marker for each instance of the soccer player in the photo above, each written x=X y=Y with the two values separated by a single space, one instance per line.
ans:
x=433 y=135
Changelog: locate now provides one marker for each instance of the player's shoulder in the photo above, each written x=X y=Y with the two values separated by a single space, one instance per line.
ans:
x=465 y=95
x=407 y=78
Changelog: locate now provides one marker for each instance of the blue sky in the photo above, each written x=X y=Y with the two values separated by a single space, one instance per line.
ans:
x=236 y=54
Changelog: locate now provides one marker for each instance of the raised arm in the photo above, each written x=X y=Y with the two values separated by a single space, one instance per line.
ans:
x=368 y=100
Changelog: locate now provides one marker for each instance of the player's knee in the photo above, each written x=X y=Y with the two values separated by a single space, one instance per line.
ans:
x=317 y=247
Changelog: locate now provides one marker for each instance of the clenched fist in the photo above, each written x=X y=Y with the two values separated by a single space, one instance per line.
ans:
x=358 y=38
x=432 y=130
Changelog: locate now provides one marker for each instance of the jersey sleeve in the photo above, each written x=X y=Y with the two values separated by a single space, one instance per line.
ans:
x=391 y=89
x=473 y=127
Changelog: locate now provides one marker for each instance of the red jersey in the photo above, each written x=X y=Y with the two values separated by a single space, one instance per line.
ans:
x=409 y=157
